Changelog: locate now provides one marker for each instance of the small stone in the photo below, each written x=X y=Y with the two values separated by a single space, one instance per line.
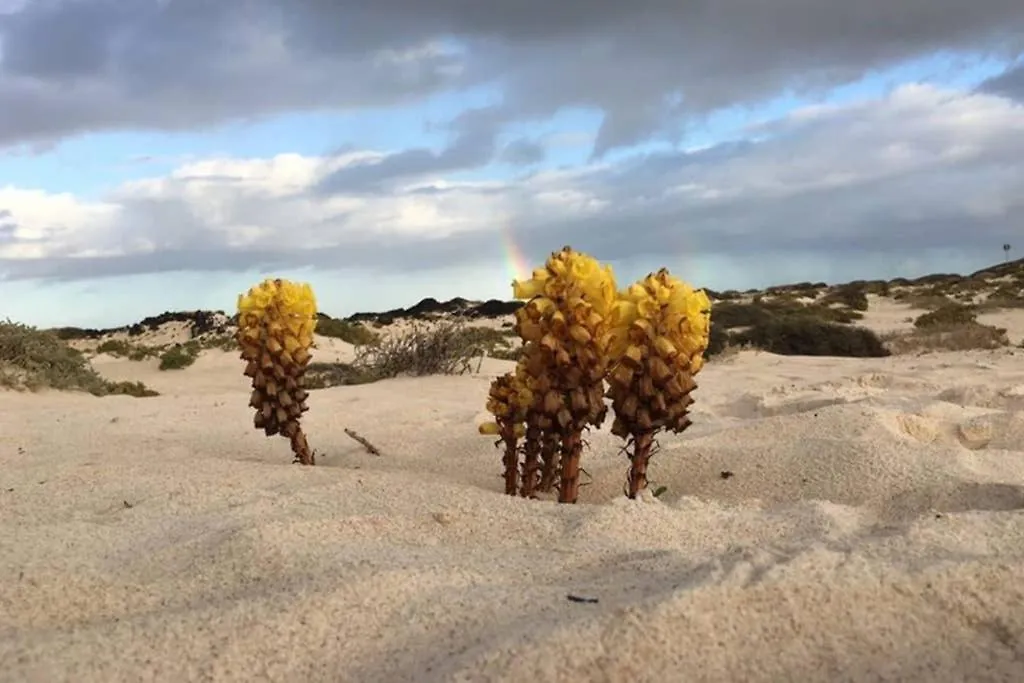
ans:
x=975 y=433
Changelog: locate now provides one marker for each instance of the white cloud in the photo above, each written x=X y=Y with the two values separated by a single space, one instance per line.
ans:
x=920 y=166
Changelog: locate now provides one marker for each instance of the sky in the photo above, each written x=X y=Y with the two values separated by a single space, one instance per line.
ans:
x=168 y=154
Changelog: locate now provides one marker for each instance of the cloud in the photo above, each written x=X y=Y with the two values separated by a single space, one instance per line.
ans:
x=523 y=152
x=74 y=65
x=920 y=168
x=1010 y=83
x=474 y=145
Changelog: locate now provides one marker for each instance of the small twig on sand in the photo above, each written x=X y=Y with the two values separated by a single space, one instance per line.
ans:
x=370 y=448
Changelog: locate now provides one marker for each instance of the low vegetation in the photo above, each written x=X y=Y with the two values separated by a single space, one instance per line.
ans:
x=447 y=348
x=947 y=315
x=810 y=337
x=442 y=348
x=123 y=349
x=354 y=333
x=948 y=337
x=179 y=356
x=789 y=327
x=32 y=359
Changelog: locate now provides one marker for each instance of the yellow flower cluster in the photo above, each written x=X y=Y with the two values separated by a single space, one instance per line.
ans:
x=276 y=321
x=656 y=349
x=565 y=328
x=578 y=332
x=508 y=400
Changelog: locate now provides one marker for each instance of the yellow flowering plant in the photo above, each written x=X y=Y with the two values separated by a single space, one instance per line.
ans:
x=657 y=346
x=565 y=327
x=276 y=321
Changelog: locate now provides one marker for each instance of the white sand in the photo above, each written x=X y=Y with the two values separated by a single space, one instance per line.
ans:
x=871 y=529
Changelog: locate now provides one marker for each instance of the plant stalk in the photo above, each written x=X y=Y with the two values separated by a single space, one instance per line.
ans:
x=510 y=459
x=549 y=459
x=531 y=462
x=638 y=460
x=572 y=450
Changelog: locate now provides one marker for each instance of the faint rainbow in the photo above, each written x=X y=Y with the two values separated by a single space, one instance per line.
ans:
x=516 y=263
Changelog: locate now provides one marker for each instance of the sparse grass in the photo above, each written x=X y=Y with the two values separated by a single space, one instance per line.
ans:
x=356 y=334
x=446 y=348
x=34 y=359
x=180 y=356
x=324 y=375
x=965 y=336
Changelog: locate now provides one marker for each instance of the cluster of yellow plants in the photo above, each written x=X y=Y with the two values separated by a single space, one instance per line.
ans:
x=276 y=320
x=583 y=341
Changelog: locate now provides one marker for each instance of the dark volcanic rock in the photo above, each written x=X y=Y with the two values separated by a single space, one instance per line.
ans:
x=493 y=308
x=200 y=322
x=430 y=307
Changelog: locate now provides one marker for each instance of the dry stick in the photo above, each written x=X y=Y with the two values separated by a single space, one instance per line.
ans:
x=370 y=448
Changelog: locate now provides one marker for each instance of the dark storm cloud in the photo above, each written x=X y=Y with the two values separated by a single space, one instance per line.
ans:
x=77 y=65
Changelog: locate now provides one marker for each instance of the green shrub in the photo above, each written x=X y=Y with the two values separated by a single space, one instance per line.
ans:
x=851 y=296
x=36 y=359
x=956 y=337
x=114 y=347
x=179 y=356
x=947 y=315
x=356 y=334
x=805 y=336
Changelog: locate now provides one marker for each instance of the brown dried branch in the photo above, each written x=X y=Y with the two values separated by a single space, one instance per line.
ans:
x=370 y=448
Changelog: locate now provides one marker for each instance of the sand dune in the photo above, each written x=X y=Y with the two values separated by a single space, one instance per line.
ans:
x=825 y=519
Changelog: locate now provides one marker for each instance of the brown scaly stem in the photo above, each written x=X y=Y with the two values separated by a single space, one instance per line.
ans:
x=572 y=450
x=638 y=460
x=303 y=454
x=549 y=456
x=511 y=458
x=531 y=462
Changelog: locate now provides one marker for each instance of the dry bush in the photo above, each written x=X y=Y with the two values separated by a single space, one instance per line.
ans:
x=324 y=375
x=446 y=348
x=951 y=337
x=34 y=359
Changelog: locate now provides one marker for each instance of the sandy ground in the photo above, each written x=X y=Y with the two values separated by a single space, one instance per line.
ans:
x=825 y=519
